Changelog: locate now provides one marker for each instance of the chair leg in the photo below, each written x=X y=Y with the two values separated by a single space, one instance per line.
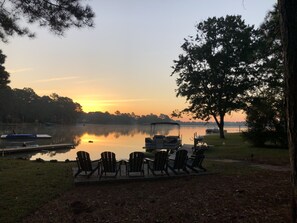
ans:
x=92 y=171
x=192 y=168
x=201 y=167
x=185 y=169
x=148 y=168
x=173 y=170
x=100 y=175
x=78 y=172
x=166 y=171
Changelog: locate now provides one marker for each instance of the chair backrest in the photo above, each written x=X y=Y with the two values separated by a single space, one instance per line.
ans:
x=84 y=161
x=161 y=160
x=109 y=162
x=136 y=161
x=180 y=160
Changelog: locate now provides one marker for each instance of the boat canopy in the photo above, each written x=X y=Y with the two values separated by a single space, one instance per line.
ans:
x=154 y=125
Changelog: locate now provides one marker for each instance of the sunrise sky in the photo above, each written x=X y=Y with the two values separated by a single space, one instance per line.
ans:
x=124 y=63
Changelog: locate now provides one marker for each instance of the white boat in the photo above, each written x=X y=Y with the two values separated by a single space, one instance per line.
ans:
x=169 y=142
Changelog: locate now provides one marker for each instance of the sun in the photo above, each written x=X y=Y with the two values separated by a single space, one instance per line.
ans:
x=91 y=105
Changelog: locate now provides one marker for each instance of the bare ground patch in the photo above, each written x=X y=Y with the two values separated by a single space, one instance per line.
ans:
x=259 y=197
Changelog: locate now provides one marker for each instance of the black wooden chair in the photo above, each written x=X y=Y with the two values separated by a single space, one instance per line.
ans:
x=135 y=163
x=108 y=165
x=85 y=164
x=159 y=164
x=179 y=162
x=195 y=161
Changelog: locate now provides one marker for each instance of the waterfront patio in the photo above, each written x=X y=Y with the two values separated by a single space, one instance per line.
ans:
x=94 y=178
x=148 y=175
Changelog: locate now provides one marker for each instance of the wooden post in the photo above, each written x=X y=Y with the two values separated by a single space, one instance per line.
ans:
x=288 y=23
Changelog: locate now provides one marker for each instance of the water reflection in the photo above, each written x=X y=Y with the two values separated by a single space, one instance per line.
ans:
x=121 y=139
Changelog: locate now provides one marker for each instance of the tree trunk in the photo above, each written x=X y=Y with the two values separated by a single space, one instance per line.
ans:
x=288 y=23
x=221 y=127
x=220 y=124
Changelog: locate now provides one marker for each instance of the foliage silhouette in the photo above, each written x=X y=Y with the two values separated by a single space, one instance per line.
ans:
x=216 y=71
x=57 y=15
x=266 y=118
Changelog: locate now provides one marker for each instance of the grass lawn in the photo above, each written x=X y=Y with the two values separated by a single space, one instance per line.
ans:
x=235 y=147
x=26 y=185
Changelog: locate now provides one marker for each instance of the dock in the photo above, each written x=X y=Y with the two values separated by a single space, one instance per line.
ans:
x=37 y=148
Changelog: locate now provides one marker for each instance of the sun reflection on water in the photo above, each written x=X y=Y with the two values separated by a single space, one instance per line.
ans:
x=95 y=139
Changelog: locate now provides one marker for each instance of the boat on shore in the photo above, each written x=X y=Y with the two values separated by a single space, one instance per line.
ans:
x=168 y=142
x=34 y=148
x=213 y=131
x=25 y=136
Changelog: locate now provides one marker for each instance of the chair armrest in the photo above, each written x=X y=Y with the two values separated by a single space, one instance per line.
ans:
x=148 y=160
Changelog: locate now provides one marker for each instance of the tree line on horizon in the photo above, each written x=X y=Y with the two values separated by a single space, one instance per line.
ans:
x=122 y=118
x=25 y=106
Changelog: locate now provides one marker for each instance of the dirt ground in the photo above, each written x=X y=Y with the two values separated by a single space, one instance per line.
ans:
x=259 y=197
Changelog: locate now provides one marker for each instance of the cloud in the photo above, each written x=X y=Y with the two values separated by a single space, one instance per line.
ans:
x=125 y=100
x=20 y=70
x=56 y=79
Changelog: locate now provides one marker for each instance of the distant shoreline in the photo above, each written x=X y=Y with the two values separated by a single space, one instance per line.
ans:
x=200 y=124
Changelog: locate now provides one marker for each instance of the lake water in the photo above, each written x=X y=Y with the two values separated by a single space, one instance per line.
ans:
x=121 y=139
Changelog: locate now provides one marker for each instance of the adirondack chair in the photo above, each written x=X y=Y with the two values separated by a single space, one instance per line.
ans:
x=135 y=163
x=85 y=164
x=108 y=164
x=159 y=163
x=196 y=160
x=179 y=162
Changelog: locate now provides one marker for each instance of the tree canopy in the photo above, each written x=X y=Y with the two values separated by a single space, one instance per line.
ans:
x=24 y=105
x=266 y=119
x=270 y=57
x=216 y=70
x=57 y=15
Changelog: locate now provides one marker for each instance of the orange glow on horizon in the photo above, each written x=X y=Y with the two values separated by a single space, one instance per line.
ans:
x=236 y=117
x=97 y=106
x=92 y=105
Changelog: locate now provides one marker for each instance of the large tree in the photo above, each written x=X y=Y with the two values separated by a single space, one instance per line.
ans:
x=215 y=72
x=57 y=15
x=5 y=91
x=4 y=75
x=288 y=22
x=266 y=108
